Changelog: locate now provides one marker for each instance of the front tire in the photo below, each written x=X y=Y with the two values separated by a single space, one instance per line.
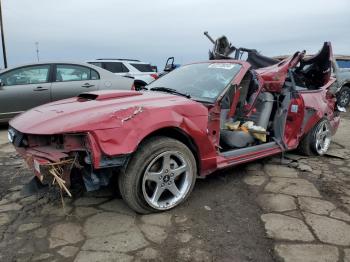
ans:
x=159 y=176
x=318 y=140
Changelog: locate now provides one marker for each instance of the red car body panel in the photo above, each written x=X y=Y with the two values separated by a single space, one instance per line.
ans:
x=116 y=122
x=274 y=76
x=120 y=130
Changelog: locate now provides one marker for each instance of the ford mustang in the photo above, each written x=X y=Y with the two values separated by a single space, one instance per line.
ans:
x=197 y=119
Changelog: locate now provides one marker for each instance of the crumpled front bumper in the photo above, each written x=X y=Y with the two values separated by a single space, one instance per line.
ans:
x=42 y=160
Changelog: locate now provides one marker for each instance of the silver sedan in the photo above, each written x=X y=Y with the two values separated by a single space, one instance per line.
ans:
x=28 y=86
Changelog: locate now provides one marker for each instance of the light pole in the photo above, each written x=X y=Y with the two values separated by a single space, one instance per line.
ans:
x=37 y=50
x=3 y=39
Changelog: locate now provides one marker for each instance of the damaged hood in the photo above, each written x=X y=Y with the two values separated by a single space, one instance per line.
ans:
x=101 y=110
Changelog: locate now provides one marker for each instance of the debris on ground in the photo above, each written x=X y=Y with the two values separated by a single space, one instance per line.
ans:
x=207 y=208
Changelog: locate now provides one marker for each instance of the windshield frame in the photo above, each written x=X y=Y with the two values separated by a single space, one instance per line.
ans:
x=224 y=89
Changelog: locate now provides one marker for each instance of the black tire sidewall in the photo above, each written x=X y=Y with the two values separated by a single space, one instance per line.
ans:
x=131 y=179
x=344 y=89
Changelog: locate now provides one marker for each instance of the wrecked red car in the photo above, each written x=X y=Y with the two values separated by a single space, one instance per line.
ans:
x=191 y=122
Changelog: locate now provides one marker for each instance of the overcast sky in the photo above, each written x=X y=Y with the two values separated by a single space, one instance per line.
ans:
x=153 y=30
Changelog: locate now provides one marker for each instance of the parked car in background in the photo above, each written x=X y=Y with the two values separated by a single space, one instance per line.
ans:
x=154 y=68
x=31 y=85
x=343 y=61
x=342 y=66
x=142 y=73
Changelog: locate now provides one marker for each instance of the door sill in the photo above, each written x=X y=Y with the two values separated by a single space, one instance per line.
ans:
x=242 y=155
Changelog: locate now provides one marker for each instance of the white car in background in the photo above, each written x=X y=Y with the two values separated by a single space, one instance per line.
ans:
x=141 y=72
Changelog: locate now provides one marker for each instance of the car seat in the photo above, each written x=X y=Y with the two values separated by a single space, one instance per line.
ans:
x=261 y=117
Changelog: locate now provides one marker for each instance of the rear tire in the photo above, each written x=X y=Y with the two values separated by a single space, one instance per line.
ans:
x=317 y=141
x=343 y=97
x=159 y=176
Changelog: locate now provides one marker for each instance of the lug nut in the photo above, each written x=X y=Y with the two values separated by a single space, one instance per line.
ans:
x=169 y=183
x=163 y=184
x=172 y=174
x=166 y=170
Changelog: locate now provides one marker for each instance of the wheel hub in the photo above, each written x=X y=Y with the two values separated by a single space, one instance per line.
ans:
x=167 y=180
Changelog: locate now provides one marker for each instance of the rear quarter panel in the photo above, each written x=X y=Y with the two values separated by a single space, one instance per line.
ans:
x=322 y=104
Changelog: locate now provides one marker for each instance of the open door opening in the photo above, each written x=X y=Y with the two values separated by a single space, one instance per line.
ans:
x=239 y=126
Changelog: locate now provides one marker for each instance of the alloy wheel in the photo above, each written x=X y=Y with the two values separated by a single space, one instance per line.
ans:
x=167 y=180
x=323 y=138
x=344 y=98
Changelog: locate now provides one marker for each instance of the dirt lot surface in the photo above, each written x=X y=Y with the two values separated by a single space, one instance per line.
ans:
x=294 y=210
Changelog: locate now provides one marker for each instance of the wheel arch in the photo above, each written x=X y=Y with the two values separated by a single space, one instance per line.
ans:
x=138 y=83
x=345 y=84
x=180 y=135
x=304 y=143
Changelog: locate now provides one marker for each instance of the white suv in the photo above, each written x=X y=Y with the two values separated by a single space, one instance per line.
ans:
x=141 y=72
